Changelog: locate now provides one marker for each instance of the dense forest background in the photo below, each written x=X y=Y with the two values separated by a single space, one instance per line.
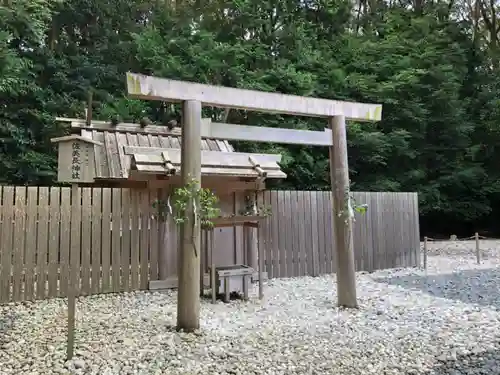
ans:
x=434 y=65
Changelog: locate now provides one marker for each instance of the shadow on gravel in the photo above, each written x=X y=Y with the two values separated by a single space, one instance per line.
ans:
x=469 y=286
x=7 y=321
x=481 y=363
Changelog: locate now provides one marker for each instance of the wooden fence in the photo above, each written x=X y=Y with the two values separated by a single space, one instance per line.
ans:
x=114 y=238
x=298 y=238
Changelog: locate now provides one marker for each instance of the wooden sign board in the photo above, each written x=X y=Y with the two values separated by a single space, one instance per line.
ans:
x=76 y=161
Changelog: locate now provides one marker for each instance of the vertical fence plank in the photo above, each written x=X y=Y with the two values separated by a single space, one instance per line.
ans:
x=415 y=229
x=370 y=234
x=268 y=233
x=359 y=229
x=19 y=242
x=399 y=249
x=327 y=230
x=294 y=251
x=42 y=240
x=106 y=240
x=286 y=250
x=314 y=231
x=64 y=252
x=6 y=243
x=307 y=225
x=329 y=238
x=116 y=239
x=262 y=232
x=142 y=257
x=282 y=225
x=86 y=218
x=153 y=240
x=125 y=246
x=302 y=240
x=274 y=234
x=406 y=236
x=54 y=269
x=319 y=210
x=134 y=240
x=75 y=240
x=96 y=239
x=31 y=242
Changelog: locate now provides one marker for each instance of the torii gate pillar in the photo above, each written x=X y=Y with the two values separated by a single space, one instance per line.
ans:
x=342 y=214
x=188 y=306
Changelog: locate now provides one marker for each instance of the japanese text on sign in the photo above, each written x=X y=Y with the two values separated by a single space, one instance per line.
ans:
x=75 y=161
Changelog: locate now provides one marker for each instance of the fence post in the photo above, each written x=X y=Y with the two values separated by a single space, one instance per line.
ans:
x=478 y=251
x=425 y=252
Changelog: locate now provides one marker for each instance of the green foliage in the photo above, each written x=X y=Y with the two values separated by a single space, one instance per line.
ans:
x=202 y=201
x=436 y=79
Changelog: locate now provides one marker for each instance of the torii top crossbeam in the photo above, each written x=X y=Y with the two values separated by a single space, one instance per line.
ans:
x=154 y=88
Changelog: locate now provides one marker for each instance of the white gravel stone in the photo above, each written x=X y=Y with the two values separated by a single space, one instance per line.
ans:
x=444 y=320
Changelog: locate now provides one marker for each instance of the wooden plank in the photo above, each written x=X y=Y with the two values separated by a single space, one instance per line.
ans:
x=7 y=243
x=301 y=236
x=97 y=152
x=233 y=132
x=126 y=241
x=376 y=228
x=360 y=234
x=111 y=145
x=86 y=243
x=276 y=234
x=75 y=240
x=319 y=211
x=415 y=240
x=116 y=240
x=262 y=241
x=283 y=231
x=31 y=252
x=211 y=172
x=102 y=155
x=153 y=155
x=166 y=255
x=143 y=140
x=286 y=254
x=42 y=240
x=309 y=250
x=97 y=213
x=219 y=131
x=329 y=233
x=74 y=268
x=371 y=232
x=155 y=88
x=403 y=250
x=55 y=267
x=269 y=239
x=153 y=243
x=296 y=226
x=74 y=137
x=141 y=260
x=394 y=228
x=19 y=242
x=122 y=127
x=121 y=140
x=106 y=240
x=134 y=240
x=313 y=209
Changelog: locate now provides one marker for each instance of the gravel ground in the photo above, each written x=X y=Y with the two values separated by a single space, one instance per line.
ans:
x=444 y=320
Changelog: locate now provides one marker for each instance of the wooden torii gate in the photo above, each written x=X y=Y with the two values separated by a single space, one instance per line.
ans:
x=193 y=96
